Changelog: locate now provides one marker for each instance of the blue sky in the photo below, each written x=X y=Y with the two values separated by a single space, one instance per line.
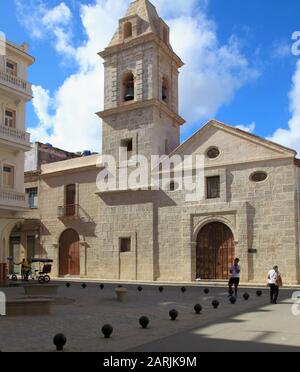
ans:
x=239 y=65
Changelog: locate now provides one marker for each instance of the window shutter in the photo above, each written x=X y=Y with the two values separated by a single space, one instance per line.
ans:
x=8 y=177
x=213 y=187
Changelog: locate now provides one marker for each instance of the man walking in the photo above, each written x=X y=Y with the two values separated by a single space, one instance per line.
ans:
x=235 y=277
x=275 y=281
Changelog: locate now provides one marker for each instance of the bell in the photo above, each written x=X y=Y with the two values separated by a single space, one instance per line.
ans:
x=129 y=95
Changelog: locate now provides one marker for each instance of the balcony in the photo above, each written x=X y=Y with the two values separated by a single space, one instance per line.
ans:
x=12 y=200
x=16 y=83
x=68 y=212
x=14 y=138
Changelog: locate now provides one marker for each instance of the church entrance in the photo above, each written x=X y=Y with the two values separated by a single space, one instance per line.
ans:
x=69 y=253
x=215 y=251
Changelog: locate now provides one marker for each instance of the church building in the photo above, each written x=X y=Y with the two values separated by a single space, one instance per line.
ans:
x=250 y=208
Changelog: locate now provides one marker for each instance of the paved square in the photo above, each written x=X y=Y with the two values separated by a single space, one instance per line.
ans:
x=80 y=314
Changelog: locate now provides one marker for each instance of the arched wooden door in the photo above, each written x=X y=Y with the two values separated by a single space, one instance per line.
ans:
x=215 y=251
x=69 y=253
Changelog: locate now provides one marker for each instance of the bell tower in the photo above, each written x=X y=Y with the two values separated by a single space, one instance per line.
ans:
x=141 y=86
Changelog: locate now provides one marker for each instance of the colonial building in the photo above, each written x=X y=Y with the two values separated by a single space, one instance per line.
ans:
x=15 y=92
x=251 y=204
x=24 y=239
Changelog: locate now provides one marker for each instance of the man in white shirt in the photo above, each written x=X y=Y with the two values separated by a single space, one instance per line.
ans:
x=234 y=280
x=274 y=279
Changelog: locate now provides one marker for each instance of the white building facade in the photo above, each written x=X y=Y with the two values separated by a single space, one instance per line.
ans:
x=15 y=92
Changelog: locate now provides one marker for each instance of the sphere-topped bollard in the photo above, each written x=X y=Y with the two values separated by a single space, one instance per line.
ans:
x=246 y=296
x=107 y=330
x=206 y=291
x=144 y=322
x=84 y=286
x=215 y=304
x=259 y=293
x=232 y=300
x=161 y=289
x=173 y=314
x=101 y=286
x=68 y=285
x=59 y=341
x=183 y=289
x=140 y=289
x=198 y=308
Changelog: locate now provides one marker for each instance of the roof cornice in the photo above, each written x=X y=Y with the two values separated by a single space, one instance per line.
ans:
x=142 y=104
x=18 y=49
x=240 y=133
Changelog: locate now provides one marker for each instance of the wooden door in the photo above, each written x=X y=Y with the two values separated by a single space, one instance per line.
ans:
x=69 y=253
x=70 y=200
x=215 y=251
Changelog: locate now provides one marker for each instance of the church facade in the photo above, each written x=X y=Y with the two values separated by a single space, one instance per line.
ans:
x=250 y=208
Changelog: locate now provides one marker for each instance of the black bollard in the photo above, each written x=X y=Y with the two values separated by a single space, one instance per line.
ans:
x=161 y=289
x=246 y=296
x=215 y=304
x=232 y=300
x=259 y=293
x=83 y=286
x=107 y=330
x=101 y=286
x=144 y=322
x=183 y=289
x=140 y=289
x=206 y=291
x=59 y=341
x=68 y=285
x=198 y=308
x=173 y=314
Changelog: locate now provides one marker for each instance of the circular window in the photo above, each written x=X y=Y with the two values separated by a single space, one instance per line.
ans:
x=258 y=177
x=213 y=153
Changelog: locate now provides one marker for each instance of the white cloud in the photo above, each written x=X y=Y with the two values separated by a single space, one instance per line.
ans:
x=213 y=73
x=42 y=103
x=291 y=137
x=60 y=15
x=210 y=79
x=247 y=128
x=281 y=49
x=54 y=23
x=74 y=125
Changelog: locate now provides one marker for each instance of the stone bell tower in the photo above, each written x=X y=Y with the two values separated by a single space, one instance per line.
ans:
x=141 y=86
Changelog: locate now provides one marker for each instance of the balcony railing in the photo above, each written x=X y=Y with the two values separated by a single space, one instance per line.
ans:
x=68 y=211
x=15 y=135
x=12 y=195
x=15 y=82
x=13 y=199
